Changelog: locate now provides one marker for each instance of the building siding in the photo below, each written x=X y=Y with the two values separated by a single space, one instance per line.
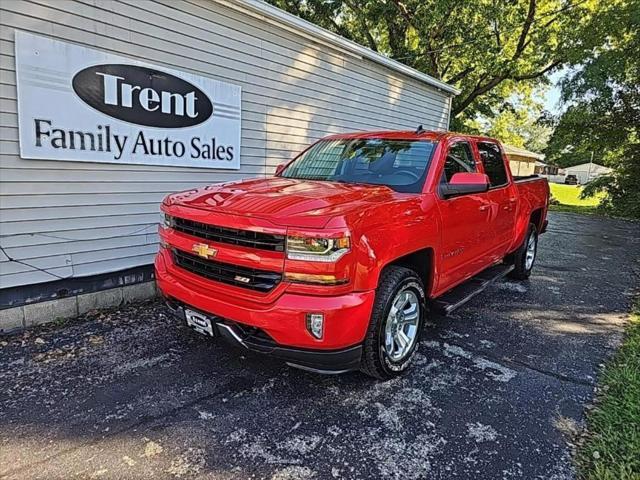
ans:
x=521 y=168
x=83 y=218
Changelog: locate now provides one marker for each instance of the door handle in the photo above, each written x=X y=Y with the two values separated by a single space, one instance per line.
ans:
x=483 y=208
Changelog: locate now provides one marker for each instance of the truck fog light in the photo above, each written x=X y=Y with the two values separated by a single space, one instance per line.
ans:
x=315 y=324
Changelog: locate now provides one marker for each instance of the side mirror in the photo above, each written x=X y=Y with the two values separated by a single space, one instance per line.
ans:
x=280 y=168
x=463 y=183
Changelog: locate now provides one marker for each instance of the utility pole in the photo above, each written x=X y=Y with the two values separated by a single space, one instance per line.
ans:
x=590 y=165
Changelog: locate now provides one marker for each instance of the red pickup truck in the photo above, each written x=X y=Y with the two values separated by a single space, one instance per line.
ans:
x=333 y=264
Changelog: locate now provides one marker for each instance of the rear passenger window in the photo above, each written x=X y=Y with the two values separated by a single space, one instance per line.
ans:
x=493 y=163
x=459 y=159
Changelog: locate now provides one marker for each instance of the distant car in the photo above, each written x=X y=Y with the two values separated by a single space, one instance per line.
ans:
x=571 y=180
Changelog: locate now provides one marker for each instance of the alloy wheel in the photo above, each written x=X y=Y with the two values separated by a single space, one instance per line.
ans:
x=401 y=327
x=530 y=254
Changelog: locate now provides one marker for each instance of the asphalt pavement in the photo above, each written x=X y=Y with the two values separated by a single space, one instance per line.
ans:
x=498 y=391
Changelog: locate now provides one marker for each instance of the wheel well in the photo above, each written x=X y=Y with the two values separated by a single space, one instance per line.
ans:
x=536 y=219
x=421 y=262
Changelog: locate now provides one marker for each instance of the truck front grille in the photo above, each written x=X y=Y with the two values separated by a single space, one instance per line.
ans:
x=244 y=238
x=251 y=278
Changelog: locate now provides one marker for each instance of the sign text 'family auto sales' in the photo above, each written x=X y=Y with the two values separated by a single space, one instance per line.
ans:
x=80 y=104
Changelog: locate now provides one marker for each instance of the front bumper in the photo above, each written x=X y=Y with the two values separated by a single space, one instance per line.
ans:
x=281 y=317
x=319 y=361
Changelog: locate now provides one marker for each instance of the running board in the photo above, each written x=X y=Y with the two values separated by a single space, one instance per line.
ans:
x=464 y=292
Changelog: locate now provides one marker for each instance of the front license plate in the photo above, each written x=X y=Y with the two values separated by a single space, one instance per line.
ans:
x=199 y=322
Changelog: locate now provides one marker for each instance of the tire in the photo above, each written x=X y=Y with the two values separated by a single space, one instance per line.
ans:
x=522 y=263
x=396 y=284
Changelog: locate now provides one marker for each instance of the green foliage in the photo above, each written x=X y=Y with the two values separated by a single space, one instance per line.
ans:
x=611 y=450
x=490 y=50
x=603 y=116
x=498 y=53
x=515 y=122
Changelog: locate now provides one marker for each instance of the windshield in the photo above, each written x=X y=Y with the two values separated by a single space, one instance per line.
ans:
x=398 y=164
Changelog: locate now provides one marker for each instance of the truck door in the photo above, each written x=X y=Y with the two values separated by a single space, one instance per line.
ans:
x=502 y=195
x=466 y=228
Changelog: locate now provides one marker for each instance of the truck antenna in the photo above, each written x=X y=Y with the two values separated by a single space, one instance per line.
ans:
x=420 y=130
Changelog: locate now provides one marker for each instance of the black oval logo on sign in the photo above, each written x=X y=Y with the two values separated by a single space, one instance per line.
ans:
x=142 y=95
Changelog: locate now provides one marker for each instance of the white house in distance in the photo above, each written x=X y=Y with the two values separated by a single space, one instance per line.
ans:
x=552 y=173
x=585 y=172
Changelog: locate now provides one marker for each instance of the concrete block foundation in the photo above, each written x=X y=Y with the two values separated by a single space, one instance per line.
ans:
x=18 y=318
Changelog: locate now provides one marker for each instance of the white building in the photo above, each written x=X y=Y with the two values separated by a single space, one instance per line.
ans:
x=585 y=172
x=552 y=173
x=79 y=206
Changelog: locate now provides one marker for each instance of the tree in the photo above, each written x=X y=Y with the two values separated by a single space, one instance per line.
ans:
x=603 y=117
x=516 y=122
x=486 y=48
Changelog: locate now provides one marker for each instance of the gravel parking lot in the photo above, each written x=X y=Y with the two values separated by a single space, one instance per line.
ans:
x=498 y=391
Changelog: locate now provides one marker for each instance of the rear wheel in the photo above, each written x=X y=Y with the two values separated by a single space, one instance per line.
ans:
x=396 y=323
x=525 y=256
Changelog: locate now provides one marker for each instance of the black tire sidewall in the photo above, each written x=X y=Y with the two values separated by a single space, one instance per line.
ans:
x=413 y=283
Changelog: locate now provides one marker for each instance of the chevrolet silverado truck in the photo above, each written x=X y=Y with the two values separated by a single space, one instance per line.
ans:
x=334 y=263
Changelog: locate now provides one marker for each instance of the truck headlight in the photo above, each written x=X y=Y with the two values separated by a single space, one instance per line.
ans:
x=166 y=221
x=315 y=249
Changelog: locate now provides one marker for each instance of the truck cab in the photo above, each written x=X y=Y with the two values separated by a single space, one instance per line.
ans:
x=335 y=262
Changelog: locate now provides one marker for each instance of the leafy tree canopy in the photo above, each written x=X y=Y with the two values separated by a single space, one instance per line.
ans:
x=516 y=122
x=492 y=50
x=603 y=116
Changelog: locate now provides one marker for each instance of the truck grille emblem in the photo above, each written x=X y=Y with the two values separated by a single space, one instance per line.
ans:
x=203 y=250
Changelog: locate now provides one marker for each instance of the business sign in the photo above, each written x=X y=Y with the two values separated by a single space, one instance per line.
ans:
x=80 y=104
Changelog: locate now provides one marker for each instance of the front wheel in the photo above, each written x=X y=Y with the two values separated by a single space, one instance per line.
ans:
x=525 y=256
x=396 y=323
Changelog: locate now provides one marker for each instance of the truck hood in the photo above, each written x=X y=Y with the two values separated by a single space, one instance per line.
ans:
x=285 y=201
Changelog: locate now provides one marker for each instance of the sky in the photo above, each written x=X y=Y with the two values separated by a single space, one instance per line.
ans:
x=552 y=96
x=551 y=100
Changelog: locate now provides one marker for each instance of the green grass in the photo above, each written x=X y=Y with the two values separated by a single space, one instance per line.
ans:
x=584 y=210
x=611 y=449
x=570 y=201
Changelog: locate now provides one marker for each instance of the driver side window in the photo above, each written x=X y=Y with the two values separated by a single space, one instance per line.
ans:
x=459 y=159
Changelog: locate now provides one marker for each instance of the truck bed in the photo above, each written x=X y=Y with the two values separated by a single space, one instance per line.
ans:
x=534 y=194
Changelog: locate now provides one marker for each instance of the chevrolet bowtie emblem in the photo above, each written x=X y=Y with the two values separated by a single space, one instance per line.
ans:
x=203 y=250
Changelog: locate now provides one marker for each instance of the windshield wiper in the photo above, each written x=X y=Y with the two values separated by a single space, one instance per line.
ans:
x=336 y=180
x=359 y=183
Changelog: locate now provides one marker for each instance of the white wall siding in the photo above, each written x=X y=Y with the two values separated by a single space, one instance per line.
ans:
x=77 y=219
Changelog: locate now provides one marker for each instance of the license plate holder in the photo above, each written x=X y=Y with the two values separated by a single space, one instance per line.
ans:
x=200 y=322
